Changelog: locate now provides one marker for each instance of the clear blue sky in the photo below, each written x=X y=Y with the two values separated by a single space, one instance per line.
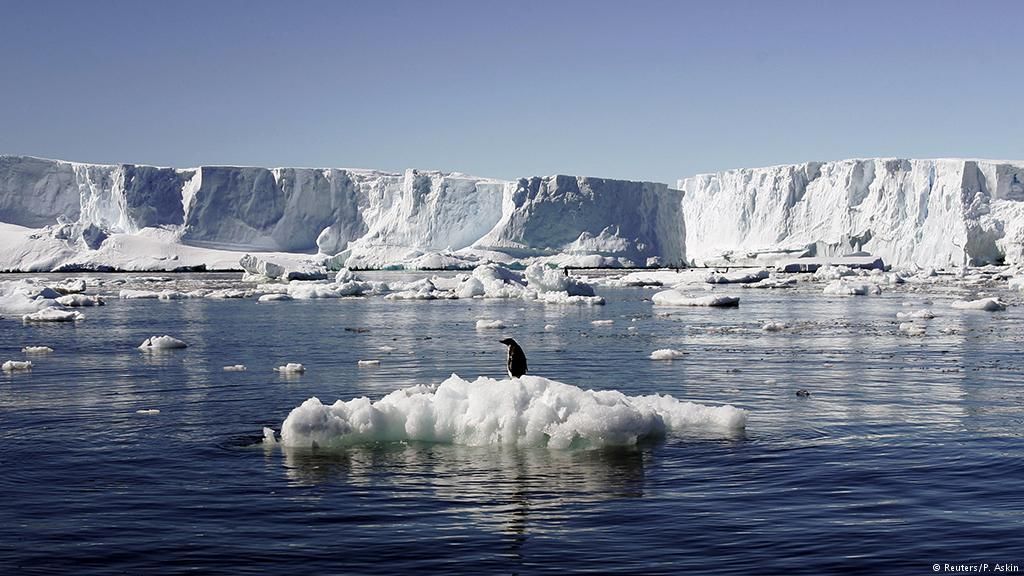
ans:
x=653 y=90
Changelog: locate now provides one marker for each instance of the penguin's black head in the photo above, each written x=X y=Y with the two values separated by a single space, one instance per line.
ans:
x=507 y=341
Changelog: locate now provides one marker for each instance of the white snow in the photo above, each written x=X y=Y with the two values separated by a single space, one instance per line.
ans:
x=526 y=411
x=992 y=304
x=161 y=343
x=676 y=298
x=16 y=366
x=667 y=354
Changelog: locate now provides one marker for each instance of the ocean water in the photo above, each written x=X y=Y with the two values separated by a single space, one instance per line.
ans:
x=907 y=453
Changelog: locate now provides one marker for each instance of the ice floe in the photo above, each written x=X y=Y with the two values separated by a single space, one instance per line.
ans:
x=16 y=366
x=526 y=411
x=676 y=298
x=291 y=368
x=992 y=304
x=53 y=315
x=667 y=354
x=162 y=343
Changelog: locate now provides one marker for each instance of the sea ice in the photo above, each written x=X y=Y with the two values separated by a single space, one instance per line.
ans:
x=53 y=315
x=78 y=300
x=993 y=304
x=489 y=324
x=37 y=349
x=667 y=354
x=291 y=368
x=235 y=368
x=844 y=288
x=526 y=411
x=161 y=343
x=368 y=363
x=676 y=298
x=16 y=366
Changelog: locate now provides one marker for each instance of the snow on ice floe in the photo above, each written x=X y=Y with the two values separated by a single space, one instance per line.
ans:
x=53 y=315
x=993 y=304
x=738 y=277
x=275 y=298
x=16 y=366
x=290 y=368
x=667 y=354
x=527 y=411
x=235 y=368
x=37 y=349
x=71 y=286
x=676 y=298
x=162 y=343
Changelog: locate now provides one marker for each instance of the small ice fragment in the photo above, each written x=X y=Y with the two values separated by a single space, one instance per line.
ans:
x=162 y=343
x=235 y=368
x=667 y=354
x=771 y=381
x=150 y=411
x=369 y=363
x=387 y=349
x=37 y=349
x=924 y=314
x=291 y=368
x=773 y=326
x=631 y=329
x=602 y=322
x=268 y=437
x=16 y=366
x=488 y=324
x=549 y=327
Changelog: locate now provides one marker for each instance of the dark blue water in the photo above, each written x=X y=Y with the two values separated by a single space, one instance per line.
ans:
x=907 y=453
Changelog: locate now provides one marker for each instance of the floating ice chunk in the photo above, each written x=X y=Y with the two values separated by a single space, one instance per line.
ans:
x=526 y=411
x=489 y=324
x=667 y=354
x=923 y=314
x=268 y=437
x=161 y=343
x=844 y=288
x=148 y=412
x=773 y=283
x=544 y=279
x=37 y=349
x=79 y=300
x=368 y=363
x=550 y=327
x=291 y=368
x=912 y=329
x=16 y=366
x=565 y=298
x=53 y=315
x=387 y=349
x=70 y=286
x=993 y=304
x=676 y=298
x=138 y=294
x=738 y=277
x=830 y=272
x=229 y=293
x=602 y=322
x=773 y=326
x=274 y=298
x=235 y=368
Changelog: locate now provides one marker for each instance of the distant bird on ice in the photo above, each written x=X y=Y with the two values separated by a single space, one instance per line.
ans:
x=516 y=358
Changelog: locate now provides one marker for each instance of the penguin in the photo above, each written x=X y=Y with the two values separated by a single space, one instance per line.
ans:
x=516 y=358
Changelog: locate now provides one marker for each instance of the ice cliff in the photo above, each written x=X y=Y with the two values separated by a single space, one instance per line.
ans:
x=924 y=212
x=364 y=218
x=937 y=213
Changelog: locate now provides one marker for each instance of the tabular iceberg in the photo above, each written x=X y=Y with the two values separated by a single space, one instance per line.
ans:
x=924 y=212
x=63 y=215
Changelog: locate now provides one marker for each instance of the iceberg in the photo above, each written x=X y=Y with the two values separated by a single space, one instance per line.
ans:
x=526 y=411
x=161 y=343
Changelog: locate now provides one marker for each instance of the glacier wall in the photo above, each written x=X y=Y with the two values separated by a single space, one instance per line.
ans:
x=924 y=212
x=374 y=218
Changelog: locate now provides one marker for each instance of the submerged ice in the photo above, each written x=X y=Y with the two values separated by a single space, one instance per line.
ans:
x=528 y=411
